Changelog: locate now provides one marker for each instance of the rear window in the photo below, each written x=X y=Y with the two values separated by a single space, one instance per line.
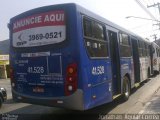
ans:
x=39 y=29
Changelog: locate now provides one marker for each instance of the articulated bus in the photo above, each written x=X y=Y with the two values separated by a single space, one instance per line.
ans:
x=155 y=58
x=66 y=56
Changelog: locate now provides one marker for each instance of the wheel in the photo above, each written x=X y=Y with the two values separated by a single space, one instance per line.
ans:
x=126 y=89
x=1 y=101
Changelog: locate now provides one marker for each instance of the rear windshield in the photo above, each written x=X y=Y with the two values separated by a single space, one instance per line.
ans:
x=39 y=29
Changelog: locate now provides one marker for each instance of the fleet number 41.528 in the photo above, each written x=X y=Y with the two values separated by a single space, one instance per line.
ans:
x=98 y=70
x=35 y=70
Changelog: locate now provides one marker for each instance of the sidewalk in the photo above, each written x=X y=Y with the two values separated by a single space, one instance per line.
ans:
x=153 y=105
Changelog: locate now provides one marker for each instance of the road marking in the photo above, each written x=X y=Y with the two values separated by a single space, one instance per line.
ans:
x=141 y=112
x=145 y=107
x=147 y=104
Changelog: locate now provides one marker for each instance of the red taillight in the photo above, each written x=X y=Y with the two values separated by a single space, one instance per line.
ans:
x=155 y=62
x=71 y=79
x=11 y=73
x=12 y=77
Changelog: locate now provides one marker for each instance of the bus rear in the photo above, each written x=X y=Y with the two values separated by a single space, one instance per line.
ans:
x=155 y=58
x=44 y=57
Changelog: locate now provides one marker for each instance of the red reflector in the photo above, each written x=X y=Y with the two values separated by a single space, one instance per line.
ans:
x=71 y=79
x=12 y=75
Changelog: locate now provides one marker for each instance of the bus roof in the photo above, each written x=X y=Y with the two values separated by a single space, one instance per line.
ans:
x=83 y=11
x=109 y=23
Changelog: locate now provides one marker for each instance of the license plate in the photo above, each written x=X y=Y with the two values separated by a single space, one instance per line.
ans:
x=38 y=90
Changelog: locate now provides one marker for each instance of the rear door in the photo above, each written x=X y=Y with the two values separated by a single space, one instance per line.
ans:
x=115 y=62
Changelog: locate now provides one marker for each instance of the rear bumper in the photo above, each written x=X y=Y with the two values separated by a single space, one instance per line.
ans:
x=74 y=101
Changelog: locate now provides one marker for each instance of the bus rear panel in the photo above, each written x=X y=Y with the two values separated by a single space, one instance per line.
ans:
x=44 y=57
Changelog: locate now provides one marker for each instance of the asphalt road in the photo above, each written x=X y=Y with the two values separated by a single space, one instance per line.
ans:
x=137 y=102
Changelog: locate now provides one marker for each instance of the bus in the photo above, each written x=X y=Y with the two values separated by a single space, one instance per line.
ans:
x=66 y=56
x=155 y=58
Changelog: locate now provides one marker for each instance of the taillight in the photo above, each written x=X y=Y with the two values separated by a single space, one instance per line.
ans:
x=155 y=62
x=12 y=77
x=71 y=79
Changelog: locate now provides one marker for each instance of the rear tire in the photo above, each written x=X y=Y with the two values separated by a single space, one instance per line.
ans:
x=126 y=88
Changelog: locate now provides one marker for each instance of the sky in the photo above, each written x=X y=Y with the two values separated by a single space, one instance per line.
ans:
x=113 y=10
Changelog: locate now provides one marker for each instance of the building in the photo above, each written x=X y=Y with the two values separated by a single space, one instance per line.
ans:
x=4 y=66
